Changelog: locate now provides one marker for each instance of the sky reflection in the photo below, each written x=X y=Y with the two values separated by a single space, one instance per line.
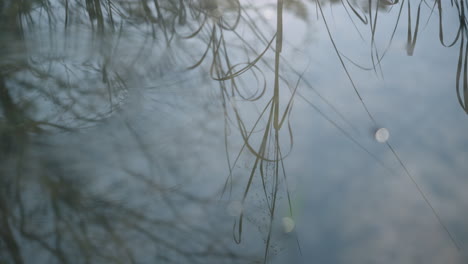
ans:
x=200 y=132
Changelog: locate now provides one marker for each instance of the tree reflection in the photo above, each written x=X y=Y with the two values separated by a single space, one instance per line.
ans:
x=66 y=66
x=49 y=213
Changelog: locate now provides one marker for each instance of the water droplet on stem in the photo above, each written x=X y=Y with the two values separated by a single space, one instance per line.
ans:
x=382 y=135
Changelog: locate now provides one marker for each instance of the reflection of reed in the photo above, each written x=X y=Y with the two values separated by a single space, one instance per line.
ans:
x=269 y=151
x=411 y=43
x=75 y=214
x=462 y=35
x=71 y=198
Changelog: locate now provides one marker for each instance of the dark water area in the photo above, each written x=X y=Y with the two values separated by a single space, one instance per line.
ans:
x=210 y=131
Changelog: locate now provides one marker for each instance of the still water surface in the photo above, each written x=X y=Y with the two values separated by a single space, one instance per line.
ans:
x=209 y=131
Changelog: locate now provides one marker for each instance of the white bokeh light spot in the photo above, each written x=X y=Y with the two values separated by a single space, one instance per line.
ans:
x=382 y=135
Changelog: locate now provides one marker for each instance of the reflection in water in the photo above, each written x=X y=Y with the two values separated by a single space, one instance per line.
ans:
x=98 y=163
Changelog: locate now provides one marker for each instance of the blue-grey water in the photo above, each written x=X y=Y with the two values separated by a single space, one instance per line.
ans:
x=233 y=131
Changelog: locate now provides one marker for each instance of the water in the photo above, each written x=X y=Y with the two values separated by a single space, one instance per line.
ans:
x=233 y=132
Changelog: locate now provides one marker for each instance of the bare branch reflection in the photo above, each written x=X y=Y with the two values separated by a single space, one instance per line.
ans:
x=83 y=181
